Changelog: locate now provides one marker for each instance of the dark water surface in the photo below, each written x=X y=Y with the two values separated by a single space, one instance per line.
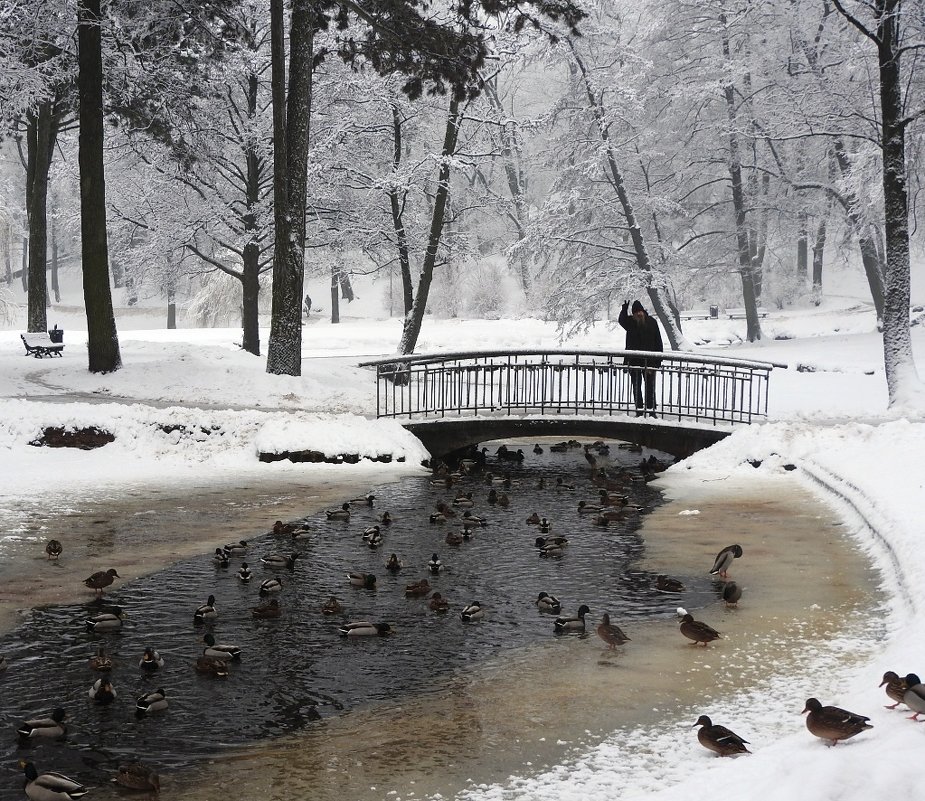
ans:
x=297 y=669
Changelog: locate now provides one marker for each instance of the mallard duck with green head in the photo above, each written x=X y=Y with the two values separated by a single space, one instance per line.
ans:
x=102 y=692
x=342 y=514
x=270 y=587
x=50 y=786
x=472 y=612
x=155 y=701
x=363 y=628
x=280 y=561
x=718 y=739
x=548 y=603
x=106 y=621
x=151 y=660
x=220 y=650
x=50 y=728
x=574 y=623
x=206 y=612
x=365 y=580
x=723 y=560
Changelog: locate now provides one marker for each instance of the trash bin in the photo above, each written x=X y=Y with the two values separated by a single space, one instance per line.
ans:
x=714 y=312
x=56 y=335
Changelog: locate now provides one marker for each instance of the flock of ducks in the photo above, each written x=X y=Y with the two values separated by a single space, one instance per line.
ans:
x=826 y=722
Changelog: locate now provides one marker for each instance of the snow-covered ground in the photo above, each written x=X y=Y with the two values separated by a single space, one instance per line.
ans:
x=831 y=420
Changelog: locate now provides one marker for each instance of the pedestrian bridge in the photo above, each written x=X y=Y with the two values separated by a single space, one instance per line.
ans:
x=453 y=400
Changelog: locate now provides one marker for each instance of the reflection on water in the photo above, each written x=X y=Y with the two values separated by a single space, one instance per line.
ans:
x=394 y=710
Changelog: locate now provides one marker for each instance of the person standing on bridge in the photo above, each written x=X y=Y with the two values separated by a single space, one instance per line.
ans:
x=642 y=333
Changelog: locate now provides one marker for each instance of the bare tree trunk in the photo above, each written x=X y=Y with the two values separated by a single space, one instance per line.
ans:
x=397 y=202
x=743 y=245
x=802 y=248
x=412 y=328
x=250 y=267
x=102 y=337
x=335 y=297
x=661 y=304
x=24 y=272
x=171 y=309
x=291 y=118
x=818 y=256
x=55 y=284
x=40 y=139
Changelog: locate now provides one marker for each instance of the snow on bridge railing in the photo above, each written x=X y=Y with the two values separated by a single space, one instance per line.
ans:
x=689 y=386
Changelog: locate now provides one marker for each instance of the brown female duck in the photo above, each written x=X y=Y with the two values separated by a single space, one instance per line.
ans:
x=719 y=739
x=895 y=688
x=831 y=723
x=698 y=631
x=610 y=633
x=101 y=579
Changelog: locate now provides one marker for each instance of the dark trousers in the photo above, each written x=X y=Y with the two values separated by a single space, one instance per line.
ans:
x=637 y=376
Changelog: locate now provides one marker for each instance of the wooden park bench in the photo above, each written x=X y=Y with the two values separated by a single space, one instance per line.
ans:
x=40 y=345
x=739 y=314
x=695 y=314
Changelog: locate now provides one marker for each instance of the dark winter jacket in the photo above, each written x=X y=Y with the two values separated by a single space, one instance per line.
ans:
x=641 y=337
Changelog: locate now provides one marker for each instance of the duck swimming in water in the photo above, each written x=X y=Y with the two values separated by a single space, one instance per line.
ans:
x=548 y=603
x=575 y=623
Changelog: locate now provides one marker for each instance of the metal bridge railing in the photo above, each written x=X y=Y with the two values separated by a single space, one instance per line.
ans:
x=689 y=386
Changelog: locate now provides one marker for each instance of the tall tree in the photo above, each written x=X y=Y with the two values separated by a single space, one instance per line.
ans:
x=102 y=337
x=886 y=28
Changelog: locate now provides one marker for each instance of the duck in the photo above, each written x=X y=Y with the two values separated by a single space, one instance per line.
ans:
x=270 y=586
x=386 y=519
x=375 y=539
x=732 y=592
x=914 y=696
x=469 y=519
x=471 y=612
x=267 y=611
x=544 y=526
x=289 y=529
x=155 y=701
x=667 y=584
x=331 y=607
x=538 y=449
x=724 y=560
x=698 y=631
x=50 y=786
x=206 y=612
x=895 y=688
x=244 y=573
x=608 y=498
x=438 y=517
x=419 y=589
x=453 y=538
x=238 y=548
x=576 y=623
x=435 y=565
x=548 y=603
x=463 y=500
x=364 y=500
x=438 y=603
x=585 y=508
x=610 y=633
x=106 y=621
x=492 y=498
x=102 y=692
x=560 y=483
x=559 y=447
x=607 y=516
x=220 y=651
x=53 y=549
x=280 y=561
x=102 y=662
x=220 y=558
x=719 y=739
x=362 y=628
x=365 y=580
x=394 y=564
x=533 y=520
x=136 y=776
x=503 y=500
x=445 y=510
x=210 y=666
x=50 y=728
x=367 y=533
x=831 y=723
x=553 y=546
x=101 y=579
x=338 y=514
x=151 y=660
